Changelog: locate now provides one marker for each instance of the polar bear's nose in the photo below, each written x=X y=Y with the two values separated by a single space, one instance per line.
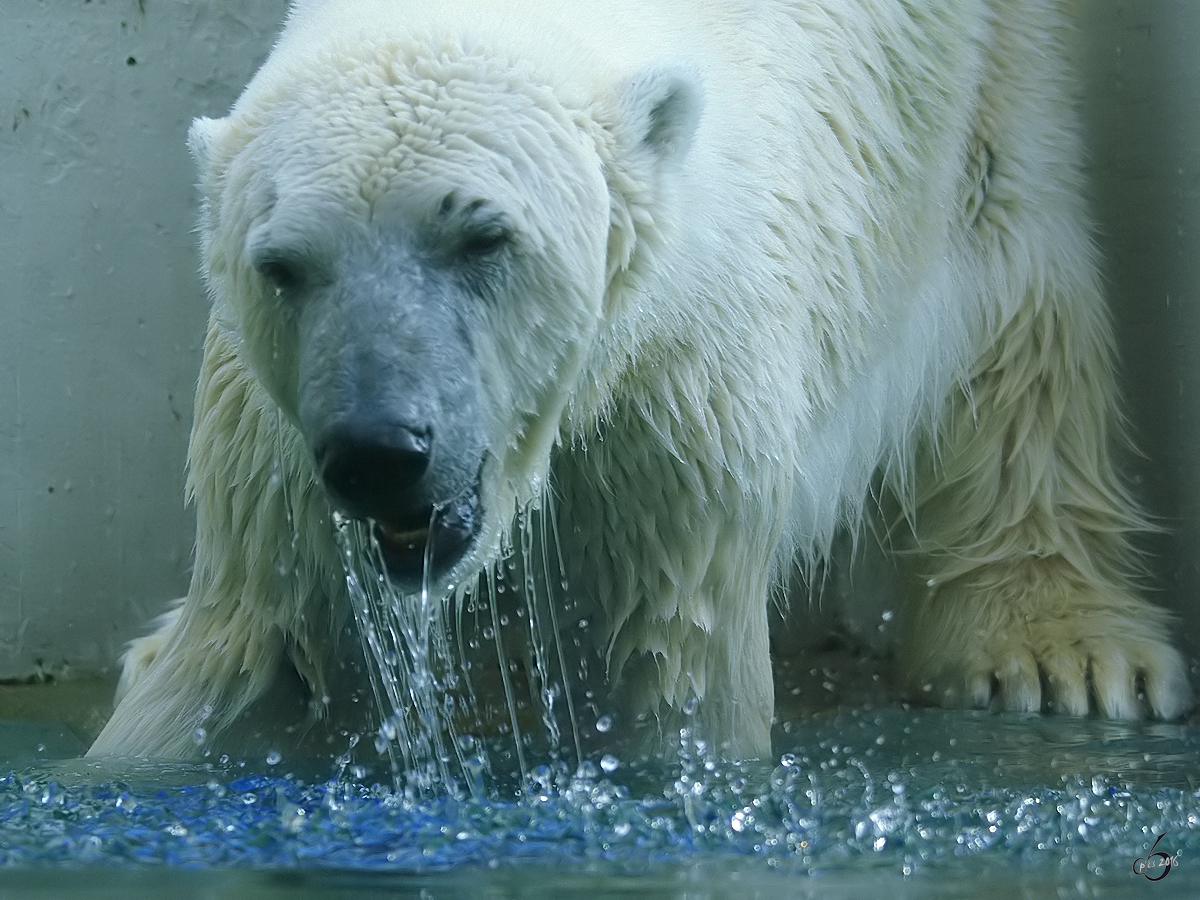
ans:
x=372 y=473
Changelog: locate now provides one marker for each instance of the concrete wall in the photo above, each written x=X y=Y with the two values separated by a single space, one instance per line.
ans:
x=102 y=313
x=1140 y=64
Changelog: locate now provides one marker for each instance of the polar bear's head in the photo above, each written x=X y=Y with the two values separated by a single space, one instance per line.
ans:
x=415 y=243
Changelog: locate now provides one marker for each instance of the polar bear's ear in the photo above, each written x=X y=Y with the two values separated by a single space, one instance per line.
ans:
x=656 y=115
x=297 y=8
x=660 y=108
x=202 y=137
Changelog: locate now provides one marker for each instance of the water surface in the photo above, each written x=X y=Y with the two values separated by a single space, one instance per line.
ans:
x=862 y=802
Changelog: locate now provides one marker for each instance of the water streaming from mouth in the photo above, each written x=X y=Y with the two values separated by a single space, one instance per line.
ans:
x=432 y=730
x=413 y=672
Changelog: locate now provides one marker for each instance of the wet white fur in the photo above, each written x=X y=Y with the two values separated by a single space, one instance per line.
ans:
x=802 y=242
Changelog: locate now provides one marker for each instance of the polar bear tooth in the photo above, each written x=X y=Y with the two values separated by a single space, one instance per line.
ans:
x=410 y=539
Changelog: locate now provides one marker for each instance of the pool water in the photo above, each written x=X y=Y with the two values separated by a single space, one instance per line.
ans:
x=861 y=802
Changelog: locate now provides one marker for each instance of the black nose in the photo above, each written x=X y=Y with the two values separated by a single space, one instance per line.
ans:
x=371 y=472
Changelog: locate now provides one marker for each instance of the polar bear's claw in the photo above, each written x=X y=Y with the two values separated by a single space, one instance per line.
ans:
x=1129 y=674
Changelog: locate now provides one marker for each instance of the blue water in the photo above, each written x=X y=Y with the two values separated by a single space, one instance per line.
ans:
x=862 y=802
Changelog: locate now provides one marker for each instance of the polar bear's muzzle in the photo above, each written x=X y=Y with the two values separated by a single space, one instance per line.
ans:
x=376 y=474
x=389 y=404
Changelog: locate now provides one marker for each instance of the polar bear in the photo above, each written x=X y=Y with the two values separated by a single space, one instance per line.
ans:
x=704 y=280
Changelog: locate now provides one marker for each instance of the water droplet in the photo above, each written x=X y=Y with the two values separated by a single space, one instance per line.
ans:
x=609 y=763
x=292 y=817
x=603 y=724
x=274 y=758
x=199 y=736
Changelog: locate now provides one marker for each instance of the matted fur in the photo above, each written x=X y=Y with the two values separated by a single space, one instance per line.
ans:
x=773 y=249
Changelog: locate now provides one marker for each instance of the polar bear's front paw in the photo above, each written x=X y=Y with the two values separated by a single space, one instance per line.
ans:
x=1091 y=659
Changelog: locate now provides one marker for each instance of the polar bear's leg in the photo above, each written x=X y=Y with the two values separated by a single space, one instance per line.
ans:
x=265 y=568
x=1027 y=582
x=143 y=651
x=678 y=556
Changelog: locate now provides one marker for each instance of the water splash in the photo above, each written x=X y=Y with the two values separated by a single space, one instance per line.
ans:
x=1059 y=801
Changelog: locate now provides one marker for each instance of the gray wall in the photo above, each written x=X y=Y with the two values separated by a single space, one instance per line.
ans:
x=103 y=314
x=1141 y=75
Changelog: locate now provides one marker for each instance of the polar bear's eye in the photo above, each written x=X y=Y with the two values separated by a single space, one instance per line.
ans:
x=474 y=227
x=281 y=270
x=485 y=238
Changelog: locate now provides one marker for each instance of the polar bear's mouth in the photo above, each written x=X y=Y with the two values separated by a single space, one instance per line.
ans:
x=428 y=549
